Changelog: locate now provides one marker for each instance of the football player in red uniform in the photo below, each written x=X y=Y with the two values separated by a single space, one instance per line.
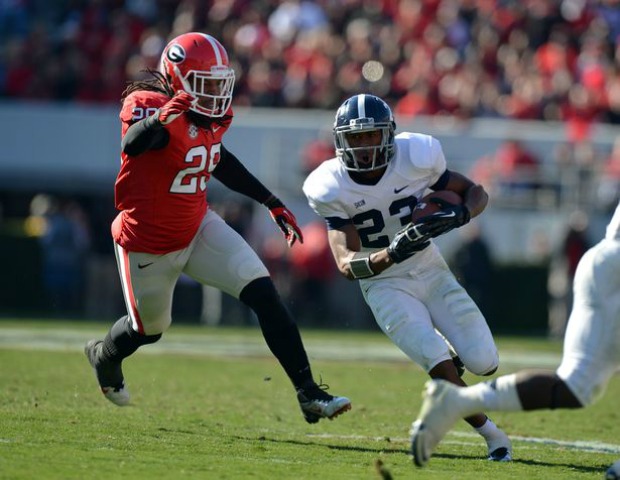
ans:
x=172 y=129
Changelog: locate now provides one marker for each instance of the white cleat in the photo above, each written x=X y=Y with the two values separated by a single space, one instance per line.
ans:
x=437 y=416
x=316 y=403
x=500 y=448
x=118 y=396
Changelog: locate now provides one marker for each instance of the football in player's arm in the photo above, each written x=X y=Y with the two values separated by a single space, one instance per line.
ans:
x=366 y=196
x=172 y=130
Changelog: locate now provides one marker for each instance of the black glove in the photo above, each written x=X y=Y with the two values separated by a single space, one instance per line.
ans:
x=407 y=242
x=450 y=217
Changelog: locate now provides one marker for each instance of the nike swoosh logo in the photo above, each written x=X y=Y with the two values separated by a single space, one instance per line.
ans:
x=144 y=265
x=398 y=190
x=447 y=215
x=215 y=129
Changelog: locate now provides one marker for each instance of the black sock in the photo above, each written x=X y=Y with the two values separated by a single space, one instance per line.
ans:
x=122 y=340
x=279 y=329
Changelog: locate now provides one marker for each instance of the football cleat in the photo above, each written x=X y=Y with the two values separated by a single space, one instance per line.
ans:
x=438 y=415
x=109 y=375
x=316 y=403
x=500 y=448
x=613 y=472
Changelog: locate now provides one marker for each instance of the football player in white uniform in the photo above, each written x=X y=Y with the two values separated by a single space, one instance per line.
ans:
x=366 y=196
x=590 y=358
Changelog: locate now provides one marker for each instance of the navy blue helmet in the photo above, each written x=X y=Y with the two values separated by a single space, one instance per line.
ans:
x=363 y=113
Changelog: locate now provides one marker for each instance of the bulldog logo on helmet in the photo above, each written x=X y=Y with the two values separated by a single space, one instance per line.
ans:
x=176 y=53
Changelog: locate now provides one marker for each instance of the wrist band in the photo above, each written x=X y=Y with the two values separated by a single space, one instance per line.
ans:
x=360 y=266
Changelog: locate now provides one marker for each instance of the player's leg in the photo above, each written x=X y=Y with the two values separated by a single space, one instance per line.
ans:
x=147 y=282
x=223 y=259
x=589 y=360
x=590 y=354
x=456 y=316
x=405 y=319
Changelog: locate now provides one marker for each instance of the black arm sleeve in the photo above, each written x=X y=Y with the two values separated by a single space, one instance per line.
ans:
x=231 y=172
x=147 y=134
x=441 y=183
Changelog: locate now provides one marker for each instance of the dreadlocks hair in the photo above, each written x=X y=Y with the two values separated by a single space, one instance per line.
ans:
x=156 y=84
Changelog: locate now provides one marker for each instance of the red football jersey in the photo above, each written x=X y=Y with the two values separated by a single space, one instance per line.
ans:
x=161 y=194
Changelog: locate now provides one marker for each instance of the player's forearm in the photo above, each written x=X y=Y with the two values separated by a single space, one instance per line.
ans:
x=358 y=265
x=233 y=174
x=144 y=135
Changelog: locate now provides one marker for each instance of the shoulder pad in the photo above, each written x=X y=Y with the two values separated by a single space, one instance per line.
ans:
x=141 y=104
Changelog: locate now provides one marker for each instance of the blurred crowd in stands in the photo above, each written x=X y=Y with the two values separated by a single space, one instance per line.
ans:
x=526 y=59
x=521 y=59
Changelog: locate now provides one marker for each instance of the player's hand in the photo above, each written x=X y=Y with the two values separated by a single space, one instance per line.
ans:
x=285 y=219
x=450 y=216
x=407 y=242
x=175 y=107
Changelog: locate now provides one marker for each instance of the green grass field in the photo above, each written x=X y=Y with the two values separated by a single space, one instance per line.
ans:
x=213 y=404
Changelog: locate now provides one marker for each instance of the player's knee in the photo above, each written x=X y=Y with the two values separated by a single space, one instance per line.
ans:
x=480 y=361
x=563 y=397
x=263 y=298
x=157 y=327
x=433 y=351
x=259 y=292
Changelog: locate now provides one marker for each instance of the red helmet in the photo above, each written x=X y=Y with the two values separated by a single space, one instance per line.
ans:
x=198 y=64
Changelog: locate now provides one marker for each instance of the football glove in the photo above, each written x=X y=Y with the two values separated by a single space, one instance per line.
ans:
x=285 y=219
x=407 y=242
x=175 y=107
x=450 y=216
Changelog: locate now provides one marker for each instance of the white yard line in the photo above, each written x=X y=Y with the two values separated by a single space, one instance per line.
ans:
x=252 y=346
x=243 y=346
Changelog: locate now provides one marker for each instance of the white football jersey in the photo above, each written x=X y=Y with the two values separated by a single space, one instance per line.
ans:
x=380 y=211
x=613 y=229
x=412 y=300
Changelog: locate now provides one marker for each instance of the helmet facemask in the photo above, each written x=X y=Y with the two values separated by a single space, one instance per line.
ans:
x=212 y=90
x=364 y=158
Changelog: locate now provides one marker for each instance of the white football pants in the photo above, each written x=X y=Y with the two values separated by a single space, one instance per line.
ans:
x=414 y=306
x=217 y=256
x=592 y=340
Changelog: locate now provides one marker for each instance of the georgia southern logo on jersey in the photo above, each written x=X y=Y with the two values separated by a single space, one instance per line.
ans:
x=176 y=53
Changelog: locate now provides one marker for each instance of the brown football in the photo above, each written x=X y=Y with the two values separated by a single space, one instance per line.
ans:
x=426 y=207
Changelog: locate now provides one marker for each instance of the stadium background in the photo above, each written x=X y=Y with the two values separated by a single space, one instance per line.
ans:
x=479 y=75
